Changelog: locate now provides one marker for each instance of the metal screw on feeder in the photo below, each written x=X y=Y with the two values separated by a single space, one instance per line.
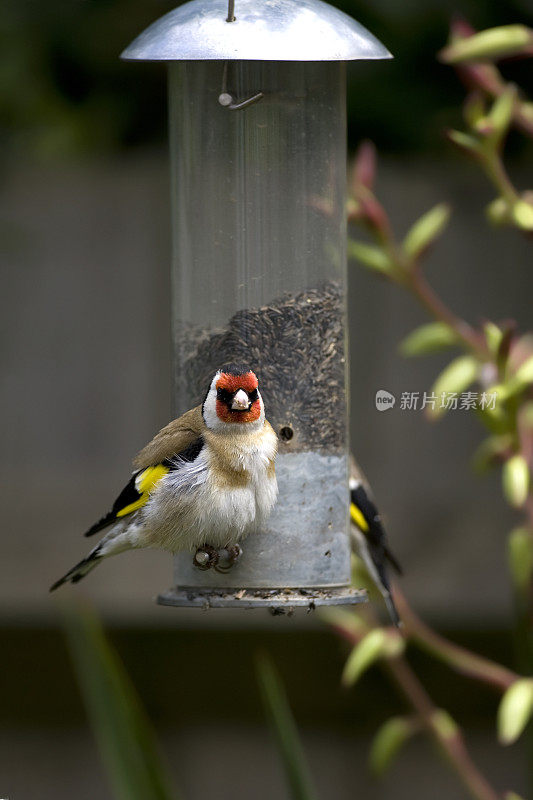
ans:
x=258 y=168
x=228 y=101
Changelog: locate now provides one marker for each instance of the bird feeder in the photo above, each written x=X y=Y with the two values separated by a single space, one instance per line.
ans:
x=257 y=116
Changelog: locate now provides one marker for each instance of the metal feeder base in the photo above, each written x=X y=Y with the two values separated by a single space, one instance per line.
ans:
x=279 y=601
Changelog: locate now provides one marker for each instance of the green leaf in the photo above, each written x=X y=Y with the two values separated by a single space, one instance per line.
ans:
x=521 y=380
x=501 y=113
x=493 y=43
x=426 y=230
x=456 y=377
x=526 y=416
x=347 y=621
x=498 y=212
x=465 y=142
x=444 y=723
x=493 y=337
x=524 y=373
x=474 y=108
x=125 y=738
x=522 y=215
x=512 y=796
x=388 y=741
x=515 y=710
x=526 y=110
x=377 y=644
x=515 y=480
x=520 y=556
x=428 y=338
x=497 y=419
x=284 y=729
x=490 y=451
x=371 y=256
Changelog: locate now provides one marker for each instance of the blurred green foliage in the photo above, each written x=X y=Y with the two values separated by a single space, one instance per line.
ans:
x=64 y=92
x=125 y=737
x=278 y=712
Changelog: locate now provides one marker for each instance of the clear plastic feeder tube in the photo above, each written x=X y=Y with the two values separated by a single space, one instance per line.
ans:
x=259 y=276
x=258 y=161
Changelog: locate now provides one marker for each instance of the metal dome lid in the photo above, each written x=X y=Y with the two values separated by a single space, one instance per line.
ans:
x=261 y=30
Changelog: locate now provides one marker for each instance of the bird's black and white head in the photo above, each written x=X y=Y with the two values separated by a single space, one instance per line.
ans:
x=233 y=402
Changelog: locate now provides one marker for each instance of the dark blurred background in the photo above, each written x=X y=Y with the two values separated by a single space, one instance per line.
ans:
x=85 y=239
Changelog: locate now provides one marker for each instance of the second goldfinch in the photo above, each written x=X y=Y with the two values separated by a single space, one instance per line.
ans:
x=202 y=484
x=369 y=539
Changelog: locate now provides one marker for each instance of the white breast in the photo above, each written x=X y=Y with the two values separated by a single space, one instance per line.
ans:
x=191 y=508
x=241 y=509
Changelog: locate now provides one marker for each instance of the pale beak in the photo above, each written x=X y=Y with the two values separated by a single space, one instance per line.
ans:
x=241 y=401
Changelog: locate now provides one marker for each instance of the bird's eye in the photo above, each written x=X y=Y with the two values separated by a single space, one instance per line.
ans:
x=224 y=395
x=253 y=395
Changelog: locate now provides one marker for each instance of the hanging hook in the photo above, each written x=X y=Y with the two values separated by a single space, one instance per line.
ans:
x=227 y=100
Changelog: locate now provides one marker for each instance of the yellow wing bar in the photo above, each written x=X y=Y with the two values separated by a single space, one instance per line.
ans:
x=357 y=517
x=144 y=483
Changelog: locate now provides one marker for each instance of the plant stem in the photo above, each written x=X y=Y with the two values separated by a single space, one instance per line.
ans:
x=523 y=642
x=448 y=737
x=459 y=658
x=496 y=172
x=426 y=296
x=487 y=78
x=409 y=275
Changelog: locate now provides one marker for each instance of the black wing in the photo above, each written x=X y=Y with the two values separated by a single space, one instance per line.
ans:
x=138 y=489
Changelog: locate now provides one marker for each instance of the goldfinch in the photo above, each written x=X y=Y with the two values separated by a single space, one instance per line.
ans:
x=369 y=539
x=202 y=484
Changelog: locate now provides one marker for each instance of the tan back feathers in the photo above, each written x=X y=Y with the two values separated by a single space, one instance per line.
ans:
x=172 y=439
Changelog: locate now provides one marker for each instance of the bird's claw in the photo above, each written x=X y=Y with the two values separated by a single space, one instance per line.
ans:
x=206 y=557
x=228 y=557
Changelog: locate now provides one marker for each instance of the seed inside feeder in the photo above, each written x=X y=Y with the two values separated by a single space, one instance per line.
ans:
x=296 y=346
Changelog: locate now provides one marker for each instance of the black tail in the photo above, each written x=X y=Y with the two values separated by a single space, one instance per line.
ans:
x=393 y=561
x=80 y=570
x=391 y=608
x=102 y=523
x=385 y=588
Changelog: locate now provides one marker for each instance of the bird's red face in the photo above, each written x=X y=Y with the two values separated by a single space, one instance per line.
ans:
x=238 y=397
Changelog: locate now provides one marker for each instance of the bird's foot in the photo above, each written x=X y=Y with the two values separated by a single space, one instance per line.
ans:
x=228 y=558
x=206 y=557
